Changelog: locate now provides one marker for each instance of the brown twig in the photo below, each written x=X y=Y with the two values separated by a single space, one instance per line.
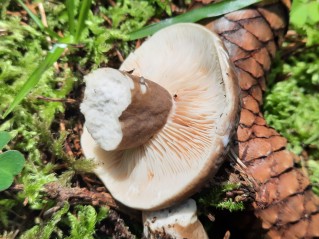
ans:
x=107 y=19
x=69 y=101
x=3 y=32
x=242 y=168
x=227 y=235
x=79 y=195
x=119 y=55
x=111 y=3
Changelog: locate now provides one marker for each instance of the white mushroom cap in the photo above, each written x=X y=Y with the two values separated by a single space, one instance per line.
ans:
x=178 y=222
x=191 y=63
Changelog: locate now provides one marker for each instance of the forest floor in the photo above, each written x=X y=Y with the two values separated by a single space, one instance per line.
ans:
x=56 y=195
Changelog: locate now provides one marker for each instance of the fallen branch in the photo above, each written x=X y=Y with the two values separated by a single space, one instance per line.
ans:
x=77 y=195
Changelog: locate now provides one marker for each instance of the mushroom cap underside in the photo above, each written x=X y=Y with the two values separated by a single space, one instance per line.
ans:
x=191 y=63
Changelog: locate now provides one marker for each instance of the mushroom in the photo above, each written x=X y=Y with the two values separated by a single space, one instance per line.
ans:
x=158 y=127
x=179 y=221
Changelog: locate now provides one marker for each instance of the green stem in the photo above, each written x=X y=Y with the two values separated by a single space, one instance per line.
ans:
x=84 y=11
x=70 y=9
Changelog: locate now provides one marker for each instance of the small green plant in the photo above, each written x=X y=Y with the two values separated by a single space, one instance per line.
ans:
x=305 y=17
x=50 y=227
x=230 y=205
x=81 y=222
x=11 y=162
x=216 y=197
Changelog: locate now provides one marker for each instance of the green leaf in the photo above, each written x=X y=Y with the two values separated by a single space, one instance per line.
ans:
x=6 y=179
x=212 y=10
x=11 y=164
x=299 y=15
x=12 y=161
x=4 y=139
x=84 y=11
x=313 y=11
x=32 y=81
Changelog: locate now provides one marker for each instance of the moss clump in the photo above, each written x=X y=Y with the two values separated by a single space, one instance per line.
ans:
x=216 y=197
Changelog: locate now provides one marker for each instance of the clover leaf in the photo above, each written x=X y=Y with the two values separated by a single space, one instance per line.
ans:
x=11 y=163
x=4 y=139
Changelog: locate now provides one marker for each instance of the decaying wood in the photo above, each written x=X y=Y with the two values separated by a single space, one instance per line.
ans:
x=284 y=200
x=76 y=194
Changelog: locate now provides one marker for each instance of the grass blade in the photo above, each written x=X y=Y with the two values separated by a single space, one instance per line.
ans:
x=38 y=21
x=84 y=11
x=212 y=10
x=34 y=17
x=70 y=9
x=52 y=57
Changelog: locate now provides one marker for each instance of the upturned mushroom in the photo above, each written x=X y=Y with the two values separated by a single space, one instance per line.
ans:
x=159 y=127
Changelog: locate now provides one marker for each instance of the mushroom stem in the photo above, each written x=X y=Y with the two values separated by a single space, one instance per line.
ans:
x=123 y=111
x=178 y=222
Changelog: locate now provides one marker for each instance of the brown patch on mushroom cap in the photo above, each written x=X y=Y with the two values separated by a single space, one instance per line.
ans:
x=147 y=113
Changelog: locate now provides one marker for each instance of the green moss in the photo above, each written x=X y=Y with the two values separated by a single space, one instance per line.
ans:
x=294 y=112
x=216 y=197
x=314 y=172
x=80 y=223
x=83 y=223
x=45 y=229
x=231 y=205
x=5 y=206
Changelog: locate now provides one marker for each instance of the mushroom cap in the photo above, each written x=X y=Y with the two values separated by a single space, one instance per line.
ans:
x=191 y=63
